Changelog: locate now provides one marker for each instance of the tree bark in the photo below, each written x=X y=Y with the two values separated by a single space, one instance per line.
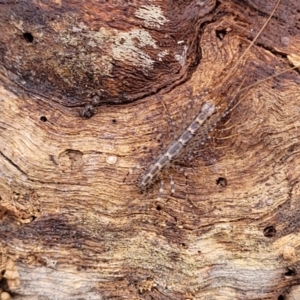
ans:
x=91 y=93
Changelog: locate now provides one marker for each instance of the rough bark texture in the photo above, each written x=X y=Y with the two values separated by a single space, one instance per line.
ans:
x=74 y=225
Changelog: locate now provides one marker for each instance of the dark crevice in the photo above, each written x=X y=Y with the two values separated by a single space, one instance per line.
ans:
x=272 y=50
x=12 y=163
x=28 y=37
x=290 y=272
x=221 y=34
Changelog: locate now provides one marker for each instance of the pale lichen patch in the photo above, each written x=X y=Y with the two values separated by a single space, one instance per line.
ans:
x=127 y=46
x=152 y=15
x=162 y=54
x=181 y=58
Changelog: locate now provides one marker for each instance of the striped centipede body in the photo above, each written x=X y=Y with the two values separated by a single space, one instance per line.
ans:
x=175 y=148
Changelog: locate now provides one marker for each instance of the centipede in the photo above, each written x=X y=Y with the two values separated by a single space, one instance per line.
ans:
x=176 y=147
x=200 y=125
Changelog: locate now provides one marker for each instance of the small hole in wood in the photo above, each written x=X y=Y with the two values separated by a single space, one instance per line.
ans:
x=28 y=37
x=281 y=297
x=114 y=121
x=269 y=231
x=222 y=182
x=184 y=245
x=220 y=34
x=158 y=207
x=290 y=272
x=43 y=119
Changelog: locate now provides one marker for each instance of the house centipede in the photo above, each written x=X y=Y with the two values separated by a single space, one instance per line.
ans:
x=176 y=148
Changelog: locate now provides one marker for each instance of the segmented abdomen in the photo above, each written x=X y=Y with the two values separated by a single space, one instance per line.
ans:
x=174 y=150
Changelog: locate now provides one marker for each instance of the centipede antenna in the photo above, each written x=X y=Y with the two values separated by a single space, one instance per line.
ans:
x=252 y=43
x=268 y=78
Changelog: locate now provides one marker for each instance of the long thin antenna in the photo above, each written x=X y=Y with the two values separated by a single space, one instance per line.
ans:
x=252 y=43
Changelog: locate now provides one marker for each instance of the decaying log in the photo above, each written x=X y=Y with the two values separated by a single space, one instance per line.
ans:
x=92 y=89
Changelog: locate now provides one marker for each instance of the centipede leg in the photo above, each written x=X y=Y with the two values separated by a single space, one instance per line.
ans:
x=172 y=185
x=161 y=189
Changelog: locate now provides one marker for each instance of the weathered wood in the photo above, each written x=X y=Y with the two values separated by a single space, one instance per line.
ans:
x=71 y=227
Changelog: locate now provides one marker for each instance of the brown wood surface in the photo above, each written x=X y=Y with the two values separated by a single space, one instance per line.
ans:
x=91 y=89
